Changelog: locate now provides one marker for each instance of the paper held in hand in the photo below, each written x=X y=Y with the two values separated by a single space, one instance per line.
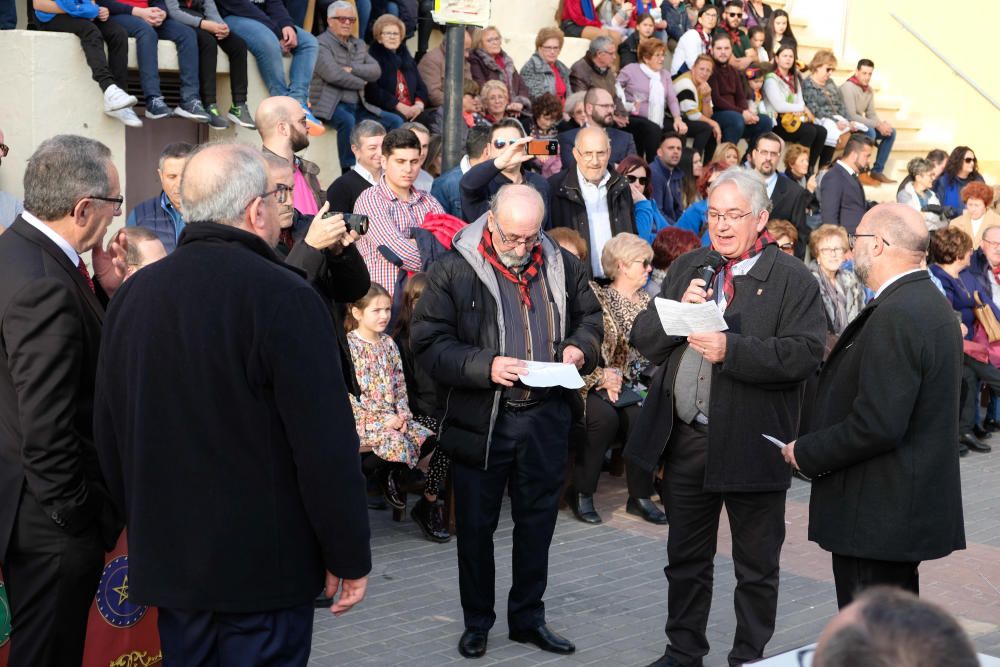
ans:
x=542 y=374
x=684 y=319
x=774 y=441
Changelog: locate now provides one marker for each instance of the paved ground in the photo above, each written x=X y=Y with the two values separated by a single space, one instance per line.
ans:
x=607 y=591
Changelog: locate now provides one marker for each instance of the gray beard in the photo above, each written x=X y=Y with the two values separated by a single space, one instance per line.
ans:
x=512 y=260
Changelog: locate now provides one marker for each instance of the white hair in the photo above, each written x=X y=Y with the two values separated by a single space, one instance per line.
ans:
x=339 y=4
x=239 y=177
x=751 y=185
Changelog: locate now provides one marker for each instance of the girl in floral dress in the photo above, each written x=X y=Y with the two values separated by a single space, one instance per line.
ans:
x=382 y=414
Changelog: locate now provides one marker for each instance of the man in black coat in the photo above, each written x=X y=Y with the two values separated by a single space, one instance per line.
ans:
x=600 y=109
x=56 y=519
x=591 y=199
x=366 y=144
x=886 y=492
x=712 y=396
x=225 y=431
x=841 y=195
x=506 y=294
x=788 y=199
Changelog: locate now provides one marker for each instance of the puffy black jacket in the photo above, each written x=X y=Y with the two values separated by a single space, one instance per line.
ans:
x=567 y=209
x=458 y=329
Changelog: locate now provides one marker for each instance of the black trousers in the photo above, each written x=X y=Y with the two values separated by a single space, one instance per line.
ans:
x=757 y=523
x=51 y=577
x=196 y=638
x=605 y=423
x=974 y=372
x=646 y=134
x=852 y=575
x=810 y=135
x=106 y=69
x=208 y=57
x=702 y=140
x=527 y=455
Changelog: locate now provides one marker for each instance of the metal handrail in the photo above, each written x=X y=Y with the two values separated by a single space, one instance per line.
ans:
x=930 y=47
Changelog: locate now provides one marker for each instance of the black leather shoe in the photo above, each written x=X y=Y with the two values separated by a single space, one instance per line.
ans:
x=665 y=661
x=974 y=443
x=582 y=505
x=430 y=517
x=544 y=639
x=647 y=509
x=991 y=425
x=982 y=433
x=962 y=449
x=473 y=643
x=322 y=602
x=393 y=495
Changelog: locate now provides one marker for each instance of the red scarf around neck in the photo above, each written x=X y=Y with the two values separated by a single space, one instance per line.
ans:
x=857 y=83
x=705 y=39
x=728 y=289
x=521 y=279
x=790 y=79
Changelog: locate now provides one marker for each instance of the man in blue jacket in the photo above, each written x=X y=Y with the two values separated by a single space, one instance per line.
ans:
x=162 y=214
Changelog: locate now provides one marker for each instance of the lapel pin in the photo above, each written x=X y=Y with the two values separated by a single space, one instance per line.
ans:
x=760 y=291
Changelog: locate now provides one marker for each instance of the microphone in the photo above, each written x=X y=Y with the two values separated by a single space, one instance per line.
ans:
x=713 y=261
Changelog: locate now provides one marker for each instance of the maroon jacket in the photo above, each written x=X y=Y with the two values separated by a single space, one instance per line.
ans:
x=728 y=93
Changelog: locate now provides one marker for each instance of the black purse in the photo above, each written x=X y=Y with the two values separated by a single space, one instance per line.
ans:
x=626 y=397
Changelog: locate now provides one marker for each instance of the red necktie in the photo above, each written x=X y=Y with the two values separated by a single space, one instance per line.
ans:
x=86 y=275
x=996 y=273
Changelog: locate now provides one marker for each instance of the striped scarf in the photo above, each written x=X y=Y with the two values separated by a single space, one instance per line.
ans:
x=728 y=289
x=524 y=277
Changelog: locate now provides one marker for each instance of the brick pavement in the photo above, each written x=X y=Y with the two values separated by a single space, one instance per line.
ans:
x=607 y=591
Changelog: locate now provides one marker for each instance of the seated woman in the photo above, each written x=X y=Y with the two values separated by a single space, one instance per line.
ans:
x=580 y=18
x=757 y=50
x=574 y=112
x=951 y=250
x=727 y=152
x=489 y=62
x=694 y=96
x=648 y=219
x=692 y=167
x=695 y=217
x=961 y=169
x=544 y=72
x=778 y=33
x=978 y=216
x=696 y=41
x=794 y=122
x=757 y=13
x=399 y=89
x=785 y=235
x=628 y=50
x=797 y=169
x=822 y=96
x=548 y=110
x=669 y=244
x=611 y=391
x=919 y=195
x=570 y=240
x=842 y=292
x=389 y=435
x=648 y=93
x=495 y=104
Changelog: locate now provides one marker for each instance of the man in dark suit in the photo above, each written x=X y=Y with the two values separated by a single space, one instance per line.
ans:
x=55 y=518
x=886 y=492
x=788 y=198
x=711 y=397
x=229 y=444
x=841 y=195
x=600 y=109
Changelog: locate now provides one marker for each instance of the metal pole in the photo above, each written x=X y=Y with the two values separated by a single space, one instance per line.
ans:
x=453 y=79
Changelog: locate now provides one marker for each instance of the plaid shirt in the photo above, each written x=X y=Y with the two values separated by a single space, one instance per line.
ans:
x=390 y=220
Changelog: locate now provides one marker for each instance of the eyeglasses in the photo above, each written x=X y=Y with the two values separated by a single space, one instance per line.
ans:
x=608 y=53
x=4 y=149
x=280 y=192
x=852 y=239
x=528 y=242
x=117 y=201
x=968 y=160
x=832 y=251
x=593 y=156
x=492 y=40
x=990 y=244
x=732 y=215
x=387 y=33
x=345 y=19
x=641 y=180
x=554 y=47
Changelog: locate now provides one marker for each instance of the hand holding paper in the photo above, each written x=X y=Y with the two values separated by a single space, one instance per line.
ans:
x=542 y=374
x=684 y=319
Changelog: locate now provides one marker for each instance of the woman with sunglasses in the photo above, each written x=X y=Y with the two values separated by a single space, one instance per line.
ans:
x=648 y=219
x=610 y=393
x=961 y=169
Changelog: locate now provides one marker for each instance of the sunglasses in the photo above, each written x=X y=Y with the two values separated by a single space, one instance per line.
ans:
x=734 y=15
x=500 y=143
x=646 y=263
x=968 y=160
x=345 y=19
x=641 y=180
x=4 y=149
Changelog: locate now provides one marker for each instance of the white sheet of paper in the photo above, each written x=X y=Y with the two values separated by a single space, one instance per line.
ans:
x=544 y=374
x=684 y=319
x=777 y=443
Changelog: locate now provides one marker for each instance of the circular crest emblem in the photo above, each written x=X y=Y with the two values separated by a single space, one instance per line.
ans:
x=4 y=616
x=112 y=595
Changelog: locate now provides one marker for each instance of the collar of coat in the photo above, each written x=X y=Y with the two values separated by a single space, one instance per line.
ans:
x=571 y=184
x=213 y=232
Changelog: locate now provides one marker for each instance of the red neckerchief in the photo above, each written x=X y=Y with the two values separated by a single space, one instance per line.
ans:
x=995 y=270
x=402 y=90
x=705 y=39
x=533 y=268
x=790 y=79
x=734 y=35
x=857 y=83
x=285 y=236
x=728 y=288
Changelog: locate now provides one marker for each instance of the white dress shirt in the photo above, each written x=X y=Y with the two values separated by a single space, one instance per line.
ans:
x=595 y=198
x=71 y=253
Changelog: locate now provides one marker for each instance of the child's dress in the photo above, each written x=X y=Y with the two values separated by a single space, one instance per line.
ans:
x=383 y=396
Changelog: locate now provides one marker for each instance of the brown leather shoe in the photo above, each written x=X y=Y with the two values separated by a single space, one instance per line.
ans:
x=879 y=176
x=867 y=179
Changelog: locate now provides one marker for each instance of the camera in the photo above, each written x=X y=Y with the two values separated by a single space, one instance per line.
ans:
x=356 y=222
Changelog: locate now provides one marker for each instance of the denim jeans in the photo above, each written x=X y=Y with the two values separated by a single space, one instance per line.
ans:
x=884 y=148
x=146 y=37
x=345 y=117
x=264 y=46
x=735 y=128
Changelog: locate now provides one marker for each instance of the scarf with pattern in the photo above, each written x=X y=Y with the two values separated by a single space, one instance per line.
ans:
x=522 y=278
x=728 y=288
